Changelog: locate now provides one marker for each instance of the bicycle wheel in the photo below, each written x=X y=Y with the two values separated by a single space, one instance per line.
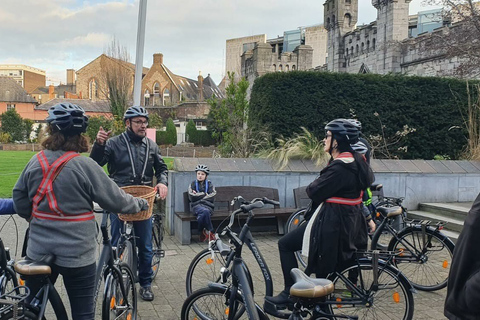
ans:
x=295 y=220
x=203 y=269
x=125 y=253
x=117 y=305
x=212 y=303
x=425 y=259
x=157 y=238
x=391 y=299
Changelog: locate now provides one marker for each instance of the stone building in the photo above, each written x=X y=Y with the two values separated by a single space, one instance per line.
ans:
x=28 y=77
x=387 y=45
x=62 y=91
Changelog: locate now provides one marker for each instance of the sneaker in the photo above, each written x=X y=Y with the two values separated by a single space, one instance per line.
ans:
x=211 y=236
x=146 y=293
x=203 y=236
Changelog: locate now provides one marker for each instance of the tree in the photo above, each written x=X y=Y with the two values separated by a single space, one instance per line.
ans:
x=191 y=131
x=171 y=132
x=155 y=121
x=117 y=77
x=228 y=119
x=13 y=124
x=28 y=128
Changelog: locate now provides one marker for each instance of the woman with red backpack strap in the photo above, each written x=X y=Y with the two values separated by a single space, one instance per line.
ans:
x=55 y=193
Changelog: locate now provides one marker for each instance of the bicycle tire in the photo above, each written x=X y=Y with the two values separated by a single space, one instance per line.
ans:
x=125 y=254
x=295 y=220
x=116 y=305
x=157 y=238
x=392 y=299
x=211 y=303
x=204 y=269
x=429 y=272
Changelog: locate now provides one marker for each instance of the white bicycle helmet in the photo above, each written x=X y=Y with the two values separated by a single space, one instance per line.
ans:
x=203 y=168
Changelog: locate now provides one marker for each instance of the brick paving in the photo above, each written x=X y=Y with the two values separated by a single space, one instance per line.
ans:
x=169 y=286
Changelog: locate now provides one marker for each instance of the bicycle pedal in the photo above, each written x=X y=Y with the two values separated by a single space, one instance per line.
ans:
x=162 y=253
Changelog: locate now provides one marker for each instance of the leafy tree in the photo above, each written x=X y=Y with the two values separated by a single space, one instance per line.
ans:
x=28 y=128
x=228 y=119
x=13 y=124
x=191 y=131
x=171 y=132
x=155 y=121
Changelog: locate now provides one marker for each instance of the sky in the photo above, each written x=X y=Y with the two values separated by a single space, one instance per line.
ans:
x=56 y=35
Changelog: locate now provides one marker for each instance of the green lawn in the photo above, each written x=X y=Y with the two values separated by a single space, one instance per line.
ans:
x=12 y=164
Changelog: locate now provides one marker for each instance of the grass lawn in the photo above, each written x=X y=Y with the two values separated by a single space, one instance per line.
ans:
x=12 y=164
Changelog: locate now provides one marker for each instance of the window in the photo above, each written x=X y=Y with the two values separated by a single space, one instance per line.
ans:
x=166 y=96
x=287 y=68
x=293 y=68
x=10 y=106
x=346 y=52
x=280 y=68
x=362 y=46
x=368 y=45
x=347 y=20
x=356 y=49
x=147 y=98
x=373 y=44
x=93 y=89
x=156 y=94
x=20 y=72
x=274 y=68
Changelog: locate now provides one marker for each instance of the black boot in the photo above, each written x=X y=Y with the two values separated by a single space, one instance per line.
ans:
x=146 y=293
x=281 y=301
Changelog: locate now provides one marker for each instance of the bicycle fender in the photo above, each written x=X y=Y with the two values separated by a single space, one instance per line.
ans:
x=385 y=265
x=409 y=229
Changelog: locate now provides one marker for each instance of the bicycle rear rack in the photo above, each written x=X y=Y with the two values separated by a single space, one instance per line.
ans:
x=11 y=301
x=413 y=222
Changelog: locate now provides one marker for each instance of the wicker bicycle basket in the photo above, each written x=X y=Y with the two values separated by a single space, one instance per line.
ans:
x=145 y=192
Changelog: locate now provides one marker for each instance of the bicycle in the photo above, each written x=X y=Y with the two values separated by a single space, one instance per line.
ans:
x=8 y=277
x=157 y=239
x=232 y=298
x=425 y=252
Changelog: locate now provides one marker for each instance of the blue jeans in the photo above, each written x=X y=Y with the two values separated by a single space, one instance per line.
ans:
x=143 y=238
x=80 y=285
x=203 y=215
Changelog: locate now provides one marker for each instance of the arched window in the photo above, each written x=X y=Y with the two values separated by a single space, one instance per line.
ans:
x=294 y=68
x=346 y=52
x=328 y=22
x=368 y=45
x=166 y=96
x=146 y=98
x=287 y=68
x=280 y=68
x=347 y=20
x=373 y=44
x=274 y=68
x=93 y=89
x=362 y=47
x=351 y=50
x=156 y=94
x=348 y=1
x=356 y=49
x=333 y=20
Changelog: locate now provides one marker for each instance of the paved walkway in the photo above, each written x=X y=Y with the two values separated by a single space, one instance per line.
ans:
x=169 y=286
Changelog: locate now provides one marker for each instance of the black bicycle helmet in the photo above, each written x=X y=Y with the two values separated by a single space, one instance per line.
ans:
x=356 y=123
x=67 y=118
x=343 y=130
x=202 y=167
x=135 y=111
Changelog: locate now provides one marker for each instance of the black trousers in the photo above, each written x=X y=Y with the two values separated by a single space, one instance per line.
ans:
x=287 y=246
x=80 y=285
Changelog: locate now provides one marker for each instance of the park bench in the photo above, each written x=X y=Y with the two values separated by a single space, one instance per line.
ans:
x=223 y=208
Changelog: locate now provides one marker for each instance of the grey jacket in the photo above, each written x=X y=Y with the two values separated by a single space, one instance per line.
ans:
x=80 y=182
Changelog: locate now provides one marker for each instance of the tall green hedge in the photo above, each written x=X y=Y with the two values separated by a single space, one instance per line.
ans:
x=283 y=102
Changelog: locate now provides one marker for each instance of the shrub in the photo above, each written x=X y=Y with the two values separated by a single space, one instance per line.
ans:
x=191 y=132
x=171 y=133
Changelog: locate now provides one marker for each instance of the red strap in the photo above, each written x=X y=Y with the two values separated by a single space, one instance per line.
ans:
x=346 y=201
x=50 y=172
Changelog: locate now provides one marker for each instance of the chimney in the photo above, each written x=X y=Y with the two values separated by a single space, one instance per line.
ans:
x=70 y=76
x=200 y=86
x=51 y=92
x=157 y=58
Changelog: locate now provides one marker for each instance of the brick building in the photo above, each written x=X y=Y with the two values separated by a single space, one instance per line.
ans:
x=13 y=96
x=62 y=91
x=28 y=77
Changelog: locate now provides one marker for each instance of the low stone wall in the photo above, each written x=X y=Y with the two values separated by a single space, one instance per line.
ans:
x=21 y=147
x=189 y=152
x=416 y=180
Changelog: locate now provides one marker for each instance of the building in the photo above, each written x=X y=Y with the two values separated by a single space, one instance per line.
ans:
x=13 y=96
x=92 y=108
x=28 y=77
x=62 y=91
x=394 y=43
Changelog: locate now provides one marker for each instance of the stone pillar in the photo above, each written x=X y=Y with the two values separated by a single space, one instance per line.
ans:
x=304 y=57
x=157 y=58
x=70 y=76
x=200 y=86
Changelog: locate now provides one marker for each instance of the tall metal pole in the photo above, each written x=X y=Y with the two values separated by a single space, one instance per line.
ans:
x=142 y=18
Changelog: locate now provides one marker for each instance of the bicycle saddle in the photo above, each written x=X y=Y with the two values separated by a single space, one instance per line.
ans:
x=29 y=267
x=306 y=287
x=390 y=212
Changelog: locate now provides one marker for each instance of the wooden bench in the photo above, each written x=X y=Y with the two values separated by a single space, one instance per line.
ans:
x=301 y=198
x=223 y=208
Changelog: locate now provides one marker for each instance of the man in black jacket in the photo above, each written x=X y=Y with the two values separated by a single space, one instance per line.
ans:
x=133 y=159
x=463 y=288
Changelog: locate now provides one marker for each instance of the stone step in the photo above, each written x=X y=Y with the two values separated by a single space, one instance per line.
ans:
x=456 y=210
x=453 y=224
x=453 y=235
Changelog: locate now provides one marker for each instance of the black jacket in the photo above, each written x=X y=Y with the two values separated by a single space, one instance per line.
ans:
x=463 y=289
x=197 y=194
x=339 y=230
x=116 y=154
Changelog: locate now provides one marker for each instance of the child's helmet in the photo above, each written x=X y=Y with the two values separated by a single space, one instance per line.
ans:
x=203 y=168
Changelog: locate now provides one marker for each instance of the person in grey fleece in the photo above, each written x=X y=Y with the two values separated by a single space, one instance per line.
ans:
x=55 y=193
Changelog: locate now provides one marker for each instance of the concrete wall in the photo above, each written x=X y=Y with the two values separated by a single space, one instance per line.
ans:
x=416 y=180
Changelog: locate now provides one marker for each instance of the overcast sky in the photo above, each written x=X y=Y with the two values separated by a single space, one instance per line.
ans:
x=56 y=35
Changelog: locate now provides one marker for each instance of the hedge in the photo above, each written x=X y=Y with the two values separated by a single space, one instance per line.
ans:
x=283 y=102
